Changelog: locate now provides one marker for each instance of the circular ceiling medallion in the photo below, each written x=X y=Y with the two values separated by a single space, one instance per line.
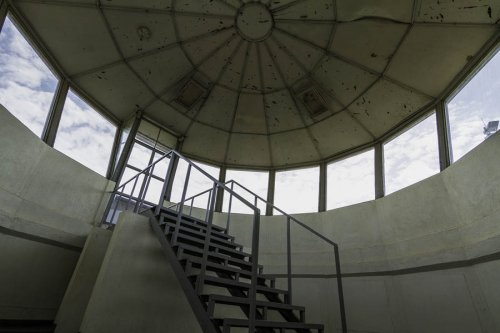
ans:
x=254 y=22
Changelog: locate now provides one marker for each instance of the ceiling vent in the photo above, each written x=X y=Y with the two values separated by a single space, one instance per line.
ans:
x=313 y=101
x=190 y=94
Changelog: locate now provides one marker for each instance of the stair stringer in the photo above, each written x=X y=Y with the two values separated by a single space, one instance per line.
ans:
x=196 y=304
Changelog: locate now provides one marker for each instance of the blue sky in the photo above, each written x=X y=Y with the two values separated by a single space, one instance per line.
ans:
x=27 y=88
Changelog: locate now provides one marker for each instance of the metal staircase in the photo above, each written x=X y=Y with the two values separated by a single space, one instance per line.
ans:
x=223 y=281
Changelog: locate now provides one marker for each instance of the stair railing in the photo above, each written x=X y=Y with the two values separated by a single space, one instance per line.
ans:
x=121 y=200
x=290 y=219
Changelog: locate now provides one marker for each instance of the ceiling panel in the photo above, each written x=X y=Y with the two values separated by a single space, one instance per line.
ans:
x=399 y=10
x=78 y=50
x=339 y=133
x=431 y=56
x=344 y=81
x=385 y=105
x=165 y=114
x=368 y=42
x=117 y=88
x=249 y=150
x=163 y=69
x=206 y=142
x=306 y=10
x=250 y=115
x=281 y=112
x=293 y=147
x=136 y=34
x=458 y=11
x=218 y=109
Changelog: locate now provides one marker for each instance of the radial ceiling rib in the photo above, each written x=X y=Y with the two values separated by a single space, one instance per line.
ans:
x=150 y=52
x=261 y=77
x=235 y=110
x=332 y=96
x=290 y=92
x=219 y=76
x=287 y=5
x=355 y=64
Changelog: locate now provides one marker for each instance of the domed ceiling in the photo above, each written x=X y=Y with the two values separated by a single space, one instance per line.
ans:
x=264 y=83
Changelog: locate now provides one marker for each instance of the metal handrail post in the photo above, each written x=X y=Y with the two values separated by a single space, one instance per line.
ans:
x=165 y=183
x=340 y=290
x=181 y=206
x=252 y=294
x=206 y=245
x=229 y=208
x=142 y=196
x=208 y=205
x=289 y=260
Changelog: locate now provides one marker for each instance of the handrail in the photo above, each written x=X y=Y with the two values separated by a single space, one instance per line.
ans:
x=174 y=157
x=285 y=214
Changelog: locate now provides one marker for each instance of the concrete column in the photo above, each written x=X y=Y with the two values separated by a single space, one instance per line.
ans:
x=129 y=143
x=379 y=171
x=54 y=117
x=175 y=161
x=220 y=192
x=443 y=131
x=3 y=12
x=322 y=187
x=270 y=192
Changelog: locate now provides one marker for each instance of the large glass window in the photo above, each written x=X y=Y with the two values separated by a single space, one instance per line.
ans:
x=27 y=85
x=474 y=107
x=351 y=180
x=297 y=191
x=412 y=156
x=198 y=182
x=255 y=181
x=85 y=135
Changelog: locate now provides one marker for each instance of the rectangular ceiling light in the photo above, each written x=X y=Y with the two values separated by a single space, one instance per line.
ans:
x=190 y=94
x=313 y=101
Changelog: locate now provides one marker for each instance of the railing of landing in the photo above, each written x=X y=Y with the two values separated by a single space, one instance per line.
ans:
x=124 y=198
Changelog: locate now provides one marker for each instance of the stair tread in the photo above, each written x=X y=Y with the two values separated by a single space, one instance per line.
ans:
x=213 y=239
x=267 y=323
x=196 y=228
x=233 y=283
x=186 y=217
x=240 y=300
x=240 y=271
x=221 y=249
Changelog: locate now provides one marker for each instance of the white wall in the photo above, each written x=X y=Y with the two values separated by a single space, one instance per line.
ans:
x=48 y=203
x=449 y=218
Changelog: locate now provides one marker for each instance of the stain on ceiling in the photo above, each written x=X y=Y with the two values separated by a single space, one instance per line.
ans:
x=264 y=83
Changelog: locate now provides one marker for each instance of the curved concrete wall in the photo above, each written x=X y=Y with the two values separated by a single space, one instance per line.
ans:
x=48 y=204
x=423 y=259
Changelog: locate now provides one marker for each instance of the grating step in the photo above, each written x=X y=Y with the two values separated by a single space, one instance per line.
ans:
x=192 y=251
x=227 y=283
x=196 y=242
x=203 y=235
x=228 y=323
x=230 y=300
x=219 y=268
x=189 y=219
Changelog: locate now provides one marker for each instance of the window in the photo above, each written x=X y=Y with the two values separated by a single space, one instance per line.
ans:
x=27 y=86
x=255 y=181
x=85 y=135
x=297 y=191
x=198 y=182
x=474 y=106
x=412 y=156
x=351 y=180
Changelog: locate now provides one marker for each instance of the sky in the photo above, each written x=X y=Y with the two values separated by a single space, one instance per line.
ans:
x=27 y=88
